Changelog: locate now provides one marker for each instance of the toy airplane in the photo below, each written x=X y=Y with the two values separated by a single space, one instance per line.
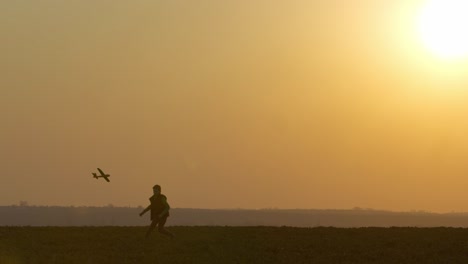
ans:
x=103 y=175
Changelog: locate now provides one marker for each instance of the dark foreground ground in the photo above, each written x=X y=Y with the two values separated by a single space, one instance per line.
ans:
x=233 y=245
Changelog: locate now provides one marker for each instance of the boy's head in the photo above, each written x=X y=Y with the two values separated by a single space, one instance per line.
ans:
x=156 y=189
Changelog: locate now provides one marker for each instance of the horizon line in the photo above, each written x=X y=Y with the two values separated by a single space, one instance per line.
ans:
x=248 y=209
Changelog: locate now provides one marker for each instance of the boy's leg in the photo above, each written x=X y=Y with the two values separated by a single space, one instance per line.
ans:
x=151 y=228
x=161 y=228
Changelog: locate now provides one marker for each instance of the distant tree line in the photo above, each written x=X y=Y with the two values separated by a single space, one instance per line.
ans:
x=25 y=215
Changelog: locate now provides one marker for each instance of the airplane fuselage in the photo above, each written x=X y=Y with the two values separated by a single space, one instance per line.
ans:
x=103 y=175
x=100 y=176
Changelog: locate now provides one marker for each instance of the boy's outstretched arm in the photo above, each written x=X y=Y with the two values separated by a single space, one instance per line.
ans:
x=146 y=210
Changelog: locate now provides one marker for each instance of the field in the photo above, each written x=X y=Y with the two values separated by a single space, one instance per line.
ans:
x=233 y=245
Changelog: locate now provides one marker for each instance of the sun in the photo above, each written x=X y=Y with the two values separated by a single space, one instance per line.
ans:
x=443 y=28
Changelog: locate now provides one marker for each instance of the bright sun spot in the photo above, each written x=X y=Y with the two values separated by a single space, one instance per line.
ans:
x=443 y=27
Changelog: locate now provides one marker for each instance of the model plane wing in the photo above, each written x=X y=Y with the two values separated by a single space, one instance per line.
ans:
x=103 y=175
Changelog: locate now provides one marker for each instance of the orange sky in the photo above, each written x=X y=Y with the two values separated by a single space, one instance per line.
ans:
x=229 y=104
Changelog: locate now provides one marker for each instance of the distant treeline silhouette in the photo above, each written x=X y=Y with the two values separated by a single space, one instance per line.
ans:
x=128 y=216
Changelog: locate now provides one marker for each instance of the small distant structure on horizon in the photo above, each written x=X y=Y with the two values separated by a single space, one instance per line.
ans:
x=103 y=175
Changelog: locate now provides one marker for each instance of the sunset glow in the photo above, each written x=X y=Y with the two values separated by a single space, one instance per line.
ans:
x=236 y=104
x=443 y=28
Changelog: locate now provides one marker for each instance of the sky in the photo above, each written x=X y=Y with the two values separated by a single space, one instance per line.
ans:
x=314 y=104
